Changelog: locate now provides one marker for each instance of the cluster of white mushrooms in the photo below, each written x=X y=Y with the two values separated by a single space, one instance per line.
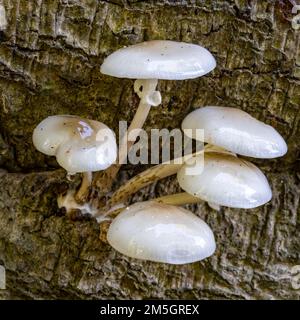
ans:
x=160 y=230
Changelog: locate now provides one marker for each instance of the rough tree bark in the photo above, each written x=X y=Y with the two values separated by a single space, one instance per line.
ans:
x=50 y=55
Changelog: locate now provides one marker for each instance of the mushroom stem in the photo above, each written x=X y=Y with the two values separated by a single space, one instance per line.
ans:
x=214 y=206
x=142 y=180
x=147 y=177
x=178 y=199
x=84 y=187
x=156 y=173
x=145 y=89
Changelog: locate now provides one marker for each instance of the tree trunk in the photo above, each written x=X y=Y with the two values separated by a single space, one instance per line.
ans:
x=50 y=53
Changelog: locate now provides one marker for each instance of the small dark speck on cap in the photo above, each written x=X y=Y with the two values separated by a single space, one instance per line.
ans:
x=42 y=129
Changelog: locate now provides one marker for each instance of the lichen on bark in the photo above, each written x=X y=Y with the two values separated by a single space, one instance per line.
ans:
x=50 y=53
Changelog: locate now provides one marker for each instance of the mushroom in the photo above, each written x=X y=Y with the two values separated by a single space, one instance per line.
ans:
x=226 y=181
x=236 y=131
x=148 y=62
x=156 y=173
x=80 y=145
x=163 y=233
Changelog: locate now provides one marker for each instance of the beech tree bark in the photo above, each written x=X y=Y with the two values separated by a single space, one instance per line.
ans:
x=50 y=53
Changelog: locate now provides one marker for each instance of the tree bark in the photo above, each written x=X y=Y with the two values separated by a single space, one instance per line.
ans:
x=50 y=53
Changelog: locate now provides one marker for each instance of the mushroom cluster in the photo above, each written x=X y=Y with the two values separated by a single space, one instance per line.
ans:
x=223 y=179
x=159 y=229
x=80 y=146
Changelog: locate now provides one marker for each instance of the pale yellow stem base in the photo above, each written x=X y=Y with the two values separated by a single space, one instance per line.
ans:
x=83 y=191
x=178 y=199
x=149 y=97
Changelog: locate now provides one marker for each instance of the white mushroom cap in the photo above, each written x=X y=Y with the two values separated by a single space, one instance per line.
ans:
x=159 y=59
x=236 y=131
x=163 y=233
x=227 y=181
x=80 y=145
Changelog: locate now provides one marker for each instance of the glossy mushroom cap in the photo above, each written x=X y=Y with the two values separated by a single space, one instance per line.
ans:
x=80 y=145
x=227 y=181
x=236 y=131
x=162 y=233
x=159 y=59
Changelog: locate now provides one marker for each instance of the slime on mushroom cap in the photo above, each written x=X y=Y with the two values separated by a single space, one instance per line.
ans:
x=236 y=131
x=227 y=181
x=159 y=59
x=163 y=233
